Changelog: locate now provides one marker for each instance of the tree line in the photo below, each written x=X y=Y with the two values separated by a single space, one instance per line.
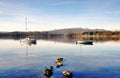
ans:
x=19 y=35
x=95 y=34
x=45 y=34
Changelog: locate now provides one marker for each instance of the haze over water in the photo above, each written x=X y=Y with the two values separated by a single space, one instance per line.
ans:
x=100 y=60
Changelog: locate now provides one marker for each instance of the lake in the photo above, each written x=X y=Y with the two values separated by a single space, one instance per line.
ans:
x=100 y=60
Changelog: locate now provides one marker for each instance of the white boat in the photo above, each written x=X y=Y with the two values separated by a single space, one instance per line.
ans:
x=29 y=40
x=85 y=42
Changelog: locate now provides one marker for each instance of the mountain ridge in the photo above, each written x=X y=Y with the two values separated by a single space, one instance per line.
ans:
x=74 y=30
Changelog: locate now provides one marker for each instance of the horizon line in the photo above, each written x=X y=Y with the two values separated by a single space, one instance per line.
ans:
x=64 y=28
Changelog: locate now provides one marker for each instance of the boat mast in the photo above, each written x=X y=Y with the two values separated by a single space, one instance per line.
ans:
x=26 y=23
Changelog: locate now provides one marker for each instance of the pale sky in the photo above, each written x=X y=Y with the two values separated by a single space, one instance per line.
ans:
x=45 y=15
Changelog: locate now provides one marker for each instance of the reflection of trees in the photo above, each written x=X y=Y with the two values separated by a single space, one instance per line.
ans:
x=100 y=38
x=96 y=36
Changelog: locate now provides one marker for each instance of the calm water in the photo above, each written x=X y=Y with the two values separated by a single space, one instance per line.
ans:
x=100 y=60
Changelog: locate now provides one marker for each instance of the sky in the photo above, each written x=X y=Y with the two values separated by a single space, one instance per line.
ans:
x=44 y=15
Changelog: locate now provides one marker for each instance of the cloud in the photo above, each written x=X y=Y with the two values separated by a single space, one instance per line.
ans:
x=1 y=3
x=78 y=13
x=12 y=8
x=43 y=23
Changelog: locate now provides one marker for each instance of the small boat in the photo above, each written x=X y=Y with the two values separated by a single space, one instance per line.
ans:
x=28 y=40
x=85 y=42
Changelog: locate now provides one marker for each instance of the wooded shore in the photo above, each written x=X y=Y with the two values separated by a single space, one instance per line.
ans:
x=85 y=35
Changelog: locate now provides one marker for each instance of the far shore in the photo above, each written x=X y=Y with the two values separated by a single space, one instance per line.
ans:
x=95 y=36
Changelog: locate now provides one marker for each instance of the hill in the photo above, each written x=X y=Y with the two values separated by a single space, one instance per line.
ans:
x=74 y=30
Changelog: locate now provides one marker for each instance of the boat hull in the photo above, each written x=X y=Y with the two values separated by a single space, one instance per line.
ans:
x=84 y=42
x=29 y=41
x=32 y=41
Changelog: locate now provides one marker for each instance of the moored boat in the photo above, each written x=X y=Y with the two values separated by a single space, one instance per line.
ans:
x=84 y=42
x=28 y=40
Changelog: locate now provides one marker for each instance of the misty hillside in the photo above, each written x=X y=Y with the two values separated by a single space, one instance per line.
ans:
x=74 y=30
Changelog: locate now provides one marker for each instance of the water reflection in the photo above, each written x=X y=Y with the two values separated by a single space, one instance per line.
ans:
x=100 y=60
x=27 y=45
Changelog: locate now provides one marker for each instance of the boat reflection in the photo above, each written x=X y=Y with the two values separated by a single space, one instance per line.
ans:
x=26 y=45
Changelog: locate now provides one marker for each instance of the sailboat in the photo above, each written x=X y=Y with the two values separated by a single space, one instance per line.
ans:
x=29 y=40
